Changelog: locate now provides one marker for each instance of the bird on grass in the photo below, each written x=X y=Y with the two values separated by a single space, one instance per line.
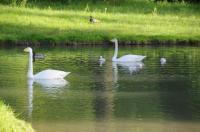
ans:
x=93 y=20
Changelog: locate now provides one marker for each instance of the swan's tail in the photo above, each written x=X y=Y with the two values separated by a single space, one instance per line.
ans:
x=142 y=57
x=64 y=74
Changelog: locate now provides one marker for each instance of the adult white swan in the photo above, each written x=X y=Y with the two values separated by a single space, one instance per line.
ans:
x=46 y=74
x=125 y=58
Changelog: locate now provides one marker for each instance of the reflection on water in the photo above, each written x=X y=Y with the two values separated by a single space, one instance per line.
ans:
x=52 y=83
x=132 y=67
x=51 y=86
x=30 y=97
x=109 y=96
x=101 y=62
x=119 y=126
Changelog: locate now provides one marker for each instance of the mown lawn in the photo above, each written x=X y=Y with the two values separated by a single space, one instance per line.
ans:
x=131 y=20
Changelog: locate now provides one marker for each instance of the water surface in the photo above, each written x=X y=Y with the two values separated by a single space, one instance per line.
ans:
x=106 y=97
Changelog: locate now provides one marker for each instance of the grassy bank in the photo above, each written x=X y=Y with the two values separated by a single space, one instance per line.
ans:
x=131 y=20
x=9 y=123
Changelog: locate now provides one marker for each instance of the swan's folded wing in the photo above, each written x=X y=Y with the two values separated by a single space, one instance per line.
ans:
x=51 y=74
x=131 y=58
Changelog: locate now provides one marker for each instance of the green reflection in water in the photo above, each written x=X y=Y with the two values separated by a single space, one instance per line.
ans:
x=107 y=93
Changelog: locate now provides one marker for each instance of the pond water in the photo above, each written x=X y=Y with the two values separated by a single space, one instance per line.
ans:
x=107 y=97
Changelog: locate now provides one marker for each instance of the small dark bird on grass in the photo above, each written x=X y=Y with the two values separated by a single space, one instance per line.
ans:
x=93 y=20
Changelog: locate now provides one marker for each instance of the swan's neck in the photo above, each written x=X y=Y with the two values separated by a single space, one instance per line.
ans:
x=116 y=51
x=30 y=65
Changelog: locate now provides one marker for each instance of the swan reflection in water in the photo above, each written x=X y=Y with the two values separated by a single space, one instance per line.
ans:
x=131 y=67
x=30 y=97
x=101 y=63
x=51 y=86
x=52 y=83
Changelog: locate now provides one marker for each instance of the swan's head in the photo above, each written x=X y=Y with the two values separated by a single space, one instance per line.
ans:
x=28 y=49
x=113 y=40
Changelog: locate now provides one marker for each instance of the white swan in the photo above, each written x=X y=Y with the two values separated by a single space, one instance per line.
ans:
x=125 y=58
x=46 y=74
x=163 y=61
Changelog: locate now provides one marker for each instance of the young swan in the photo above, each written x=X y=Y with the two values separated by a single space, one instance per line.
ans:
x=46 y=74
x=163 y=61
x=102 y=59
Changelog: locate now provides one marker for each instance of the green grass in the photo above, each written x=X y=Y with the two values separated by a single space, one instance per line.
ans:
x=131 y=20
x=9 y=123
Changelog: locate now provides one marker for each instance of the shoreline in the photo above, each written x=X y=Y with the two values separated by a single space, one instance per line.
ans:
x=10 y=122
x=103 y=43
x=151 y=24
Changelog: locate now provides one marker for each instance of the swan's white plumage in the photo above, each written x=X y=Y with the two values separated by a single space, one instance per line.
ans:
x=130 y=58
x=51 y=74
x=125 y=58
x=46 y=74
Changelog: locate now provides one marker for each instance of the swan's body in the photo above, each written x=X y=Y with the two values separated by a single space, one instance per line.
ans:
x=162 y=61
x=51 y=74
x=46 y=74
x=125 y=58
x=129 y=58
